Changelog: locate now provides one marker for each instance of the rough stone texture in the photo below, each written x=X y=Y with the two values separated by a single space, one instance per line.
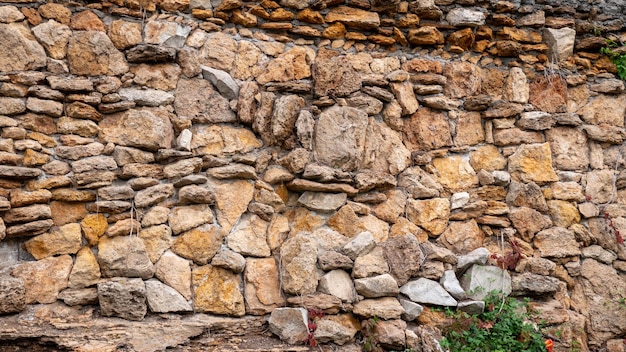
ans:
x=339 y=329
x=427 y=291
x=45 y=278
x=29 y=54
x=432 y=214
x=199 y=244
x=92 y=53
x=12 y=295
x=556 y=242
x=404 y=256
x=122 y=297
x=532 y=163
x=298 y=265
x=249 y=237
x=113 y=254
x=164 y=299
x=262 y=286
x=146 y=128
x=597 y=299
x=65 y=240
x=217 y=291
x=479 y=280
x=337 y=149
x=86 y=271
x=384 y=308
x=290 y=324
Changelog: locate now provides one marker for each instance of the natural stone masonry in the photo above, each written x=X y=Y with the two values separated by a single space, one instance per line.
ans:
x=179 y=169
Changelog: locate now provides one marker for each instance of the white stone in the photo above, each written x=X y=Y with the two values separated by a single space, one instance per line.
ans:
x=427 y=291
x=560 y=43
x=463 y=17
x=452 y=285
x=480 y=280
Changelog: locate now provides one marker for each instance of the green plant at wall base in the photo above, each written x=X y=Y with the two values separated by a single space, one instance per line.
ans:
x=495 y=330
x=619 y=59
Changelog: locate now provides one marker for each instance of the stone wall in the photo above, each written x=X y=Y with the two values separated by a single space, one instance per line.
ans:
x=179 y=158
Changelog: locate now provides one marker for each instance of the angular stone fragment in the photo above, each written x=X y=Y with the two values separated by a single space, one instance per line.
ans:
x=289 y=324
x=262 y=286
x=44 y=279
x=86 y=271
x=463 y=17
x=217 y=291
x=404 y=256
x=185 y=218
x=377 y=286
x=556 y=242
x=339 y=329
x=198 y=101
x=384 y=308
x=342 y=150
x=532 y=163
x=249 y=237
x=164 y=299
x=426 y=130
x=92 y=53
x=432 y=214
x=427 y=291
x=143 y=128
x=122 y=297
x=19 y=50
x=113 y=254
x=298 y=265
x=66 y=240
x=153 y=195
x=480 y=280
x=229 y=209
x=533 y=284
x=54 y=37
x=339 y=284
x=12 y=295
x=199 y=244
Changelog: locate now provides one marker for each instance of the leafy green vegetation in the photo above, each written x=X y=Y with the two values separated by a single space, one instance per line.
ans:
x=619 y=59
x=504 y=326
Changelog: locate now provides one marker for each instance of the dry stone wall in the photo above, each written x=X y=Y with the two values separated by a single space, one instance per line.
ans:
x=363 y=158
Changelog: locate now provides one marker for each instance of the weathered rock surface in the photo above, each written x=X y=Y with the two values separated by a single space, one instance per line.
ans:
x=123 y=297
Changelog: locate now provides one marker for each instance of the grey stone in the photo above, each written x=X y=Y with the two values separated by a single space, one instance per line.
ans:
x=324 y=202
x=427 y=291
x=153 y=195
x=114 y=254
x=472 y=307
x=12 y=295
x=412 y=310
x=289 y=324
x=600 y=254
x=224 y=83
x=79 y=296
x=164 y=299
x=452 y=285
x=147 y=97
x=377 y=286
x=480 y=280
x=229 y=259
x=362 y=244
x=532 y=284
x=464 y=17
x=122 y=297
x=339 y=284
